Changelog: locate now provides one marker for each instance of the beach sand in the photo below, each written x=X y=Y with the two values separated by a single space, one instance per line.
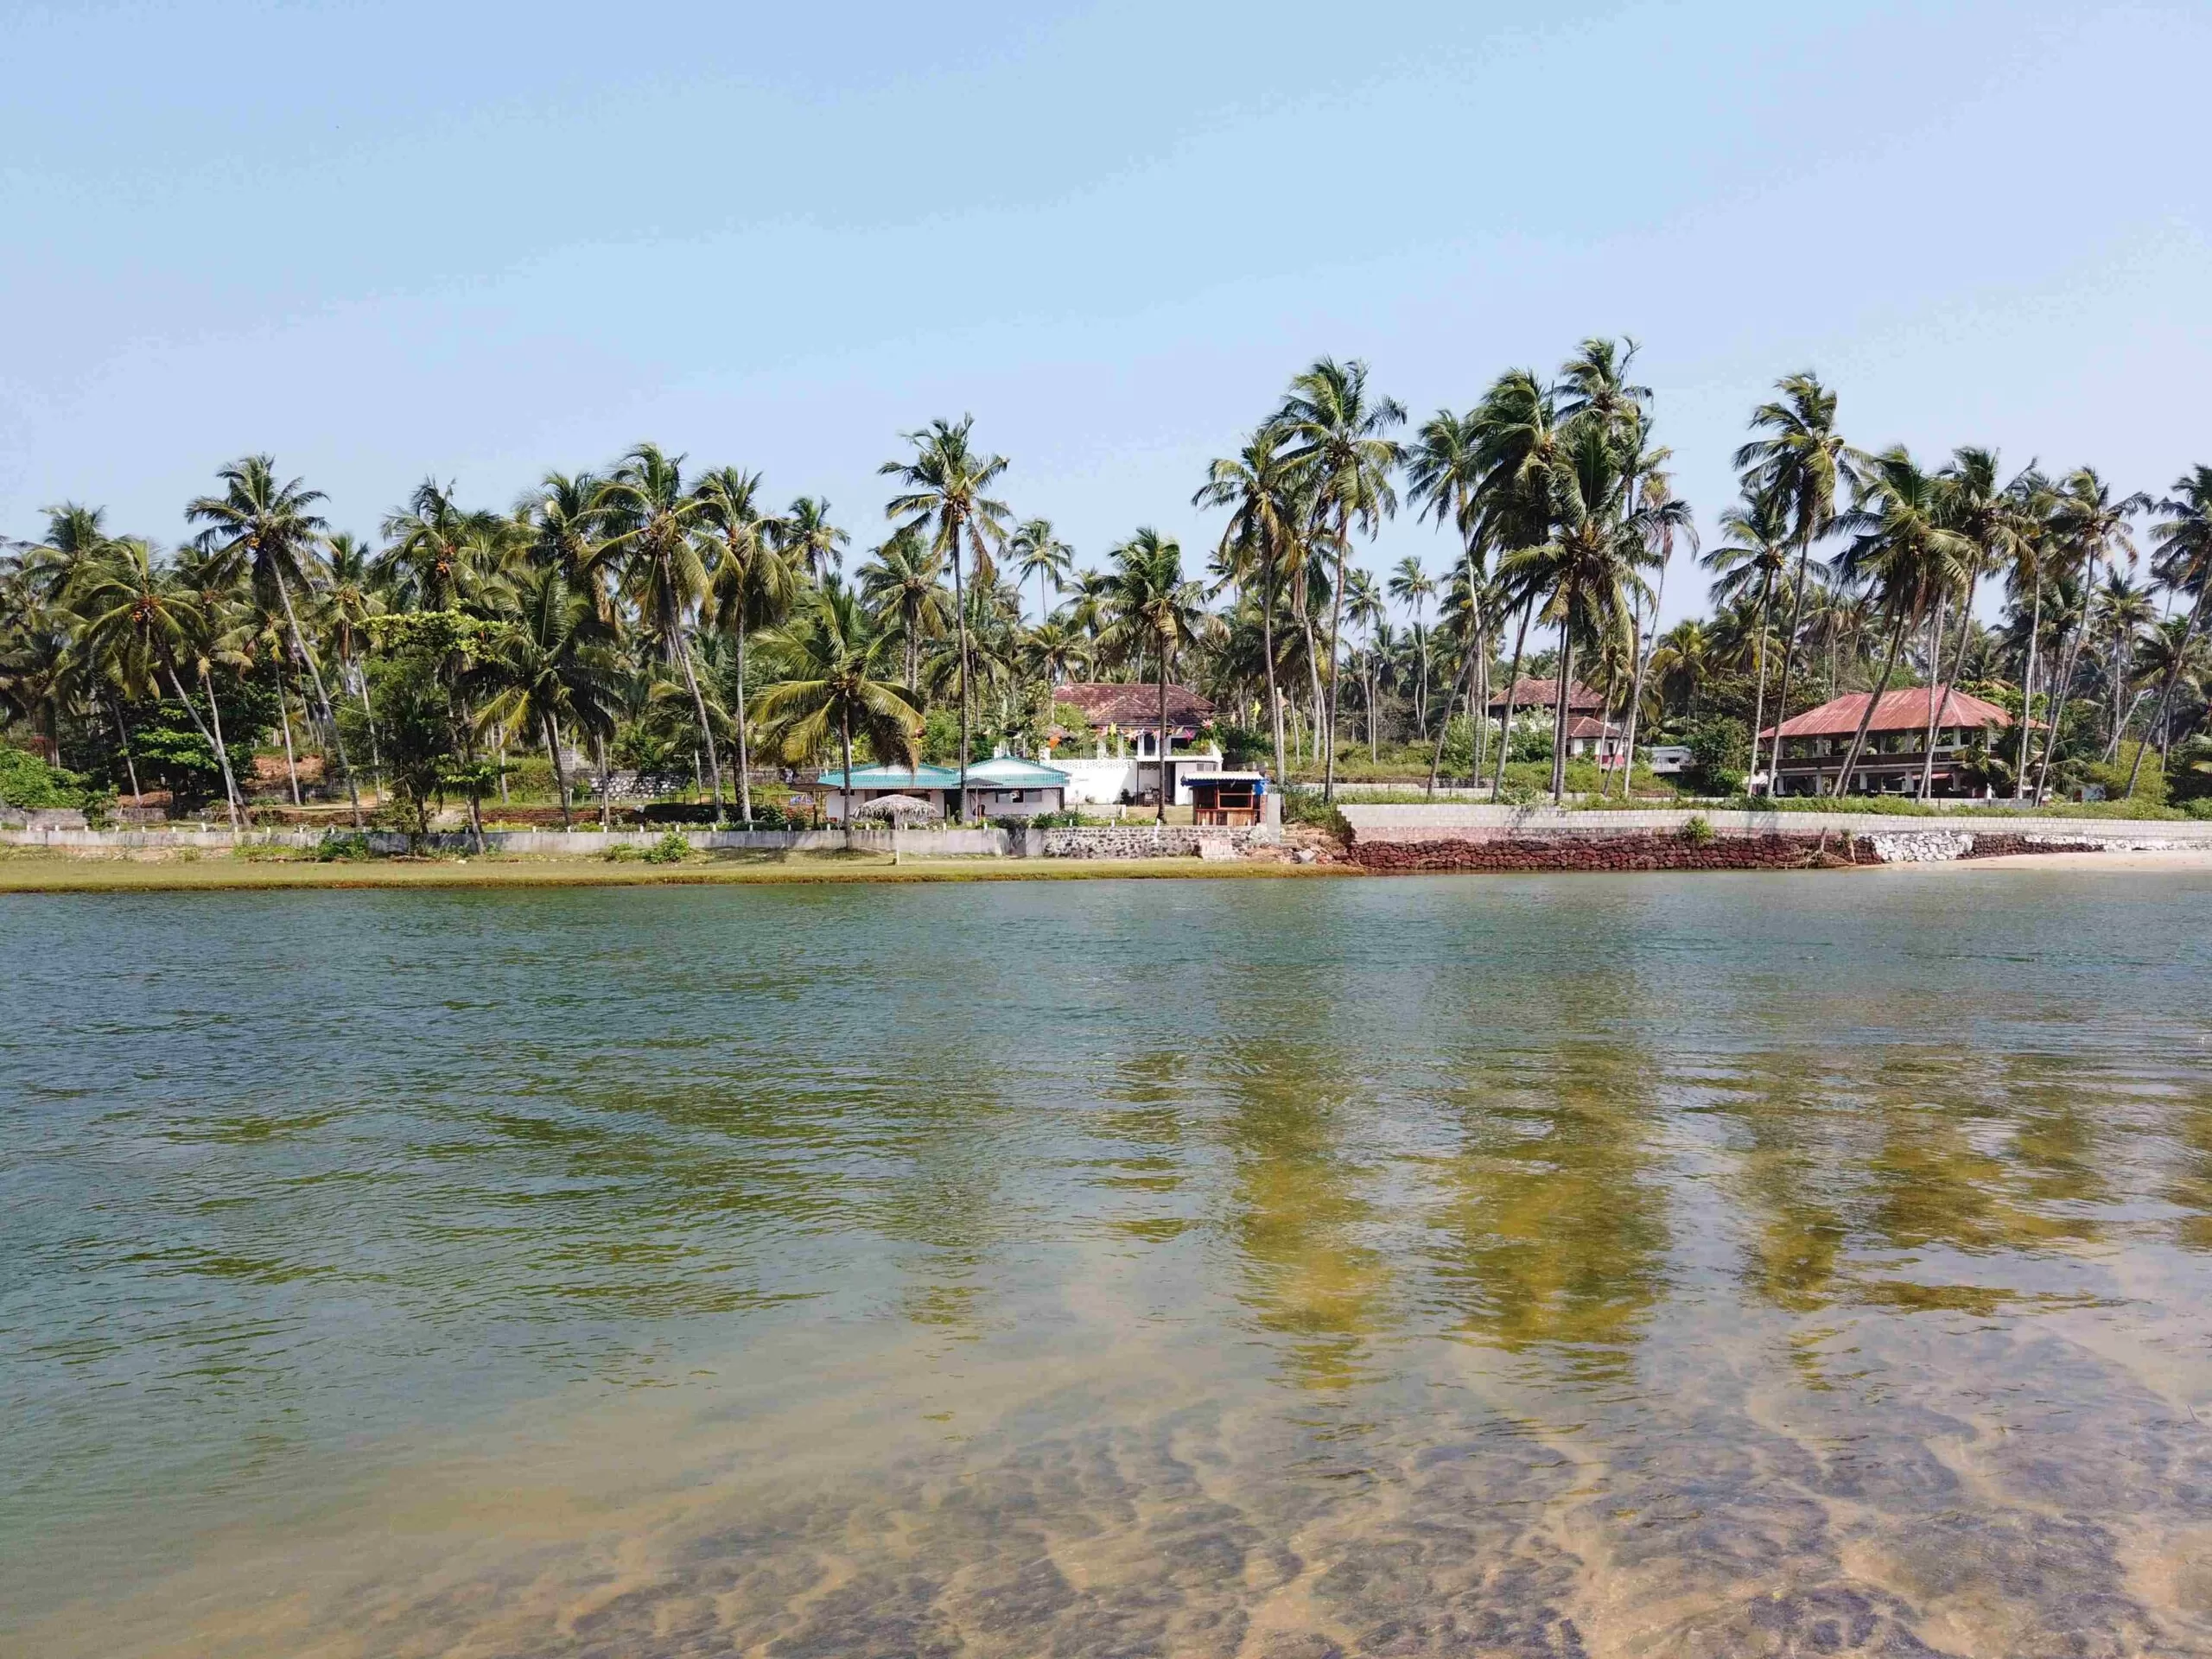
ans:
x=2189 y=858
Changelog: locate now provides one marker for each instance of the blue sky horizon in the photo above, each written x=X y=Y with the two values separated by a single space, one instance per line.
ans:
x=389 y=242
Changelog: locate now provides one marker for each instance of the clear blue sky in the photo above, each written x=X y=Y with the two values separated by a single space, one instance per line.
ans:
x=386 y=240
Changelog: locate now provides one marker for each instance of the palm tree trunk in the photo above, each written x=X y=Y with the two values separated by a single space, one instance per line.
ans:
x=1789 y=658
x=1505 y=720
x=1635 y=689
x=1268 y=645
x=1336 y=624
x=214 y=739
x=285 y=720
x=1958 y=666
x=2064 y=689
x=744 y=749
x=560 y=772
x=2166 y=687
x=845 y=753
x=1758 y=702
x=122 y=736
x=1934 y=679
x=1313 y=720
x=699 y=706
x=2028 y=695
x=1166 y=787
x=606 y=782
x=329 y=719
x=960 y=606
x=368 y=719
x=1866 y=716
x=1443 y=729
x=1559 y=713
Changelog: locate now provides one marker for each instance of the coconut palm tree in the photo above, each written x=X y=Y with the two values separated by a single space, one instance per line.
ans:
x=828 y=662
x=2128 y=614
x=903 y=581
x=1156 y=609
x=440 y=555
x=1363 y=605
x=267 y=530
x=1986 y=515
x=1443 y=478
x=1037 y=550
x=1054 y=651
x=945 y=480
x=808 y=540
x=559 y=526
x=1664 y=516
x=136 y=612
x=2169 y=647
x=1755 y=554
x=2093 y=529
x=1683 y=661
x=756 y=579
x=1587 y=576
x=2184 y=555
x=551 y=669
x=1904 y=549
x=655 y=527
x=1336 y=434
x=1261 y=490
x=1805 y=467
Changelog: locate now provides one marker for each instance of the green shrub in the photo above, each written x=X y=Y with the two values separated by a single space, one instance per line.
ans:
x=27 y=780
x=2111 y=776
x=1697 y=830
x=1720 y=752
x=676 y=812
x=1304 y=806
x=670 y=848
x=341 y=847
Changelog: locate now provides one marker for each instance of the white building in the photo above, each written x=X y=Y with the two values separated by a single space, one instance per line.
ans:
x=1121 y=730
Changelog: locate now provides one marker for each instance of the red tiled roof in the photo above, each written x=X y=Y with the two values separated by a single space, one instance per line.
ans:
x=1545 y=694
x=1581 y=726
x=1113 y=703
x=1903 y=710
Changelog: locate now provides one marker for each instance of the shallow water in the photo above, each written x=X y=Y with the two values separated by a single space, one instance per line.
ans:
x=1651 y=1265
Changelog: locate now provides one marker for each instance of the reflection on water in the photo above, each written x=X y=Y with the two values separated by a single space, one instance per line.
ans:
x=1578 y=1266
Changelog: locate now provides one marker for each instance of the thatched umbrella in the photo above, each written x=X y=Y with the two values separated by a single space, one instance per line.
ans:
x=903 y=808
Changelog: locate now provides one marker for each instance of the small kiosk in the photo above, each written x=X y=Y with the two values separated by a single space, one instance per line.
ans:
x=1226 y=799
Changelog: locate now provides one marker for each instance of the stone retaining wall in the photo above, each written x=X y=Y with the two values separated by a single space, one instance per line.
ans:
x=1643 y=851
x=1154 y=841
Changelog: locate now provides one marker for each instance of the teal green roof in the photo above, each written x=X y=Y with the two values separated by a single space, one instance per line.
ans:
x=894 y=777
x=1005 y=773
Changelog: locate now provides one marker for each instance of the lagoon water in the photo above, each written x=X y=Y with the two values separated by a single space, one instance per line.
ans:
x=1544 y=1266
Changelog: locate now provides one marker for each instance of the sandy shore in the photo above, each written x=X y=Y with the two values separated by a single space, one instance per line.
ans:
x=2190 y=858
x=58 y=872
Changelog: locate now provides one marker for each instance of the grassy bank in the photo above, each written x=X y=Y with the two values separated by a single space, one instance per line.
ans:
x=41 y=872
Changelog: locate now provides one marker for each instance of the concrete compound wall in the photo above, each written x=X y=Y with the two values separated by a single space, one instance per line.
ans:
x=1131 y=841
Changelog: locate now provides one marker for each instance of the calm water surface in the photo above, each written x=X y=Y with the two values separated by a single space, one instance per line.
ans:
x=1649 y=1266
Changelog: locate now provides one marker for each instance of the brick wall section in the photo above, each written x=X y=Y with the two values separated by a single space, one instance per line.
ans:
x=1631 y=852
x=1989 y=846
